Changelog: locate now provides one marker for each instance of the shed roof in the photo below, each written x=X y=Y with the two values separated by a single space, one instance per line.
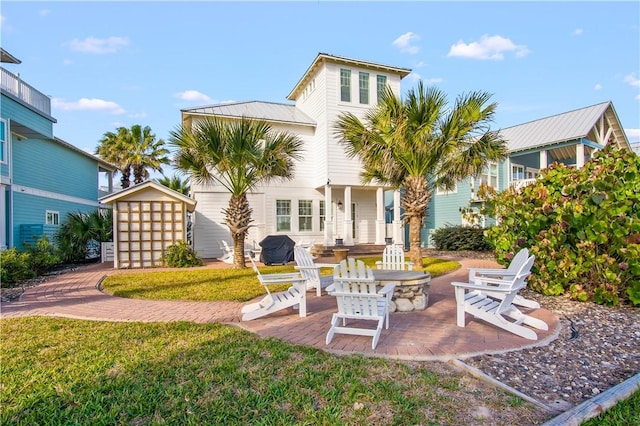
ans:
x=149 y=185
x=267 y=111
x=568 y=126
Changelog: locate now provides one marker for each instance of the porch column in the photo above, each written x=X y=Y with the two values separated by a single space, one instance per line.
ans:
x=347 y=232
x=328 y=216
x=380 y=223
x=398 y=237
x=543 y=160
x=579 y=155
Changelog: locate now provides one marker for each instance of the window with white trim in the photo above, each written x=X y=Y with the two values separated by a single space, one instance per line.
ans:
x=364 y=87
x=489 y=176
x=441 y=190
x=323 y=215
x=3 y=141
x=305 y=215
x=345 y=85
x=52 y=218
x=381 y=84
x=283 y=215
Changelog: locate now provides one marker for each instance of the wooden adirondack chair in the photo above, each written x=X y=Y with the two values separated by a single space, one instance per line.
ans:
x=227 y=252
x=393 y=258
x=355 y=291
x=518 y=260
x=474 y=299
x=273 y=302
x=311 y=271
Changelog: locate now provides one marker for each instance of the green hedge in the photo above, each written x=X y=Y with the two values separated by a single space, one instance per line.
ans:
x=461 y=238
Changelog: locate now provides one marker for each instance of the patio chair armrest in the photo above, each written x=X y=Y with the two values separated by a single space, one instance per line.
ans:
x=488 y=271
x=379 y=264
x=330 y=289
x=304 y=268
x=326 y=265
x=481 y=287
x=280 y=278
x=387 y=289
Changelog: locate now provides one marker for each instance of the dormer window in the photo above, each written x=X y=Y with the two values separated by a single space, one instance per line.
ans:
x=345 y=85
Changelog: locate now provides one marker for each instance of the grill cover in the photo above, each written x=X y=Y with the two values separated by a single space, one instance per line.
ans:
x=277 y=250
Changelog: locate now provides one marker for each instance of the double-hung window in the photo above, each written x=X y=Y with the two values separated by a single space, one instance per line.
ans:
x=305 y=215
x=323 y=215
x=3 y=141
x=345 y=85
x=490 y=176
x=283 y=215
x=381 y=84
x=364 y=87
x=52 y=218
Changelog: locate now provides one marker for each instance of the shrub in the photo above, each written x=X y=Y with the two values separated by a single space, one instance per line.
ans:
x=583 y=226
x=42 y=255
x=80 y=234
x=461 y=238
x=181 y=255
x=14 y=267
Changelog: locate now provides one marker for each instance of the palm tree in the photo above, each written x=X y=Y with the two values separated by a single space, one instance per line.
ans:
x=419 y=144
x=133 y=151
x=239 y=155
x=174 y=182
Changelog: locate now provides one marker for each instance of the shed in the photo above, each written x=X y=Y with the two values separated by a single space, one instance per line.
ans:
x=147 y=218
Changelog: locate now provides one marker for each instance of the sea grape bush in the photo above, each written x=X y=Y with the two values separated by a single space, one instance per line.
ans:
x=181 y=255
x=583 y=225
x=461 y=238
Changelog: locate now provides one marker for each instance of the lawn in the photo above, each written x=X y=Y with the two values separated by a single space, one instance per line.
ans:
x=63 y=371
x=213 y=284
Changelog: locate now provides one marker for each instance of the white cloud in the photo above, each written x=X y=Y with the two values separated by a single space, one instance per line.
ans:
x=420 y=64
x=85 y=104
x=193 y=96
x=598 y=86
x=406 y=43
x=631 y=80
x=633 y=135
x=577 y=32
x=44 y=12
x=489 y=47
x=67 y=62
x=413 y=76
x=98 y=45
x=138 y=115
x=434 y=80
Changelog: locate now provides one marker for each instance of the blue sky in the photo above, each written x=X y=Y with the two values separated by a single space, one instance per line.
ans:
x=111 y=64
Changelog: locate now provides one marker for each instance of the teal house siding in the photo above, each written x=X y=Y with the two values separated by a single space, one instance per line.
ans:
x=50 y=166
x=26 y=117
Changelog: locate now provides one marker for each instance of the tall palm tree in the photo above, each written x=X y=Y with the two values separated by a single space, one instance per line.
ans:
x=174 y=182
x=418 y=144
x=133 y=151
x=239 y=155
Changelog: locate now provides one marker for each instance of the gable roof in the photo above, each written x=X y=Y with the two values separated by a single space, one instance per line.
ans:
x=568 y=126
x=149 y=184
x=325 y=57
x=102 y=163
x=267 y=111
x=8 y=58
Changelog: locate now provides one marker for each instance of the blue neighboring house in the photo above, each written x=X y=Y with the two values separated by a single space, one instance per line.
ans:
x=42 y=178
x=570 y=138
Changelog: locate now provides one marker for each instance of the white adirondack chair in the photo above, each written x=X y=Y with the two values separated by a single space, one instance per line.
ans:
x=518 y=260
x=355 y=291
x=311 y=271
x=227 y=252
x=393 y=258
x=473 y=298
x=273 y=302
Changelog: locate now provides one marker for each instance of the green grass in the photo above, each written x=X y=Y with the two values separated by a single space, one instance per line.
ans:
x=62 y=371
x=213 y=284
x=624 y=413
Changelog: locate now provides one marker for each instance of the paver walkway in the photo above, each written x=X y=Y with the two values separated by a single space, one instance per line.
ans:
x=419 y=335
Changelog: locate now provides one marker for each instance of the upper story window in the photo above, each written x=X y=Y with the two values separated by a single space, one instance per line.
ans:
x=345 y=85
x=489 y=176
x=305 y=215
x=3 y=141
x=364 y=87
x=52 y=218
x=381 y=84
x=283 y=215
x=309 y=89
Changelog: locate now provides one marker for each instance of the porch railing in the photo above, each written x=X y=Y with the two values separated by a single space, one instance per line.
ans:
x=519 y=184
x=25 y=92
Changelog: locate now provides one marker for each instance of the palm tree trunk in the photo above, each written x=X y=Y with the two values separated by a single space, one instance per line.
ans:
x=238 y=218
x=415 y=201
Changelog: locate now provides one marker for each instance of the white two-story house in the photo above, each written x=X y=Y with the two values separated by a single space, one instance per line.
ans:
x=326 y=199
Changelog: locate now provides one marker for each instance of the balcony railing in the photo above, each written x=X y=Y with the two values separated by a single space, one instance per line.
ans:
x=26 y=93
x=519 y=184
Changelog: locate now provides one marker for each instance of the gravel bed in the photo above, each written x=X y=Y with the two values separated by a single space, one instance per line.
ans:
x=597 y=348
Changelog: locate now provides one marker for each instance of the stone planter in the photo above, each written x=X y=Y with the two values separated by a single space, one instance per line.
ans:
x=340 y=254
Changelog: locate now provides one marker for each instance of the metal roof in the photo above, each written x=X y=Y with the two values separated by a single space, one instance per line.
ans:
x=560 y=128
x=322 y=57
x=267 y=111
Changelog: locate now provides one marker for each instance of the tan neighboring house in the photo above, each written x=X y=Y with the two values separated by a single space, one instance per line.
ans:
x=326 y=199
